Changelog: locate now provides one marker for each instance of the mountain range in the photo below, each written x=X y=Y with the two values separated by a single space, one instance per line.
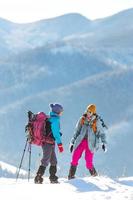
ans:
x=74 y=61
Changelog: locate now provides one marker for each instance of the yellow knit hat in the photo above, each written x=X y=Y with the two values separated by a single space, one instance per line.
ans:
x=91 y=108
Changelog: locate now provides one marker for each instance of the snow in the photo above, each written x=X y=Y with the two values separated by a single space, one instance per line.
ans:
x=93 y=188
x=80 y=188
x=7 y=170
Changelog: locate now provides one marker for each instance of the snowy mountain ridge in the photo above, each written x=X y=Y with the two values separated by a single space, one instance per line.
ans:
x=7 y=170
x=20 y=37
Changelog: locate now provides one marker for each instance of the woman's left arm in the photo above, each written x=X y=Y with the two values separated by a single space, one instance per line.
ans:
x=101 y=132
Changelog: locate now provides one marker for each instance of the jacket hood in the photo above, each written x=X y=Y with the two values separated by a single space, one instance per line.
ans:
x=54 y=114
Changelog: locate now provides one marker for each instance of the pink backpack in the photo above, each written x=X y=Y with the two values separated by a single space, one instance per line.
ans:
x=36 y=128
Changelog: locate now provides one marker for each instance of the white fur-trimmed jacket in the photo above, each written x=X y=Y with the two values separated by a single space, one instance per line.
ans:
x=94 y=139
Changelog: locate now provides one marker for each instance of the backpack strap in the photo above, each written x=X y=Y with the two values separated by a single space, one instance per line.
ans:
x=98 y=117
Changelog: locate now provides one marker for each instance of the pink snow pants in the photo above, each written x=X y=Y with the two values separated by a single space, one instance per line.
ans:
x=83 y=146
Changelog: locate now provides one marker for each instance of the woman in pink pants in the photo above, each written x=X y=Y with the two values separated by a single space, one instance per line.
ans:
x=83 y=146
x=87 y=137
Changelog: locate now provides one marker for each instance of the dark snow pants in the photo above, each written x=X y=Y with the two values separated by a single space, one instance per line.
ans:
x=49 y=155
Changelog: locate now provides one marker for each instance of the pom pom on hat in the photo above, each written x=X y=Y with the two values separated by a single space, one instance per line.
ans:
x=51 y=105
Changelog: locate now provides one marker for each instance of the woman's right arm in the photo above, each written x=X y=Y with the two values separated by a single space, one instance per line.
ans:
x=77 y=131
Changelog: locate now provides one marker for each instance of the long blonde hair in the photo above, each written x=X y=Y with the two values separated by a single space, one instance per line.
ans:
x=93 y=124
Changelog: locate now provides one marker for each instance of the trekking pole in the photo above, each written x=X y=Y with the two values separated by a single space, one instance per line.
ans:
x=21 y=159
x=29 y=149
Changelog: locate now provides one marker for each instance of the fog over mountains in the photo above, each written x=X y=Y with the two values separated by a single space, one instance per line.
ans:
x=73 y=61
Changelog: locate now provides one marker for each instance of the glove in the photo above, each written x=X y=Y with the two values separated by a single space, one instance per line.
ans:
x=60 y=147
x=104 y=148
x=71 y=147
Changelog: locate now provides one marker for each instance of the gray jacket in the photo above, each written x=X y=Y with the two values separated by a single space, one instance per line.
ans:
x=94 y=139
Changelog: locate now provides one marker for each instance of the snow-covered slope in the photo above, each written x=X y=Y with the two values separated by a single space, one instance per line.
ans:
x=7 y=170
x=101 y=188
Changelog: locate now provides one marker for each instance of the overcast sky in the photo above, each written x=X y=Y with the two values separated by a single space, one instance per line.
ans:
x=22 y=11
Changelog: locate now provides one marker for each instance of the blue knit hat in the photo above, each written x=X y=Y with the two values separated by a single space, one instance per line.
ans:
x=57 y=108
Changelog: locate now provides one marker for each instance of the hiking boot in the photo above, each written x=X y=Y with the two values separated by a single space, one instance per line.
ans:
x=72 y=172
x=93 y=172
x=53 y=178
x=38 y=179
